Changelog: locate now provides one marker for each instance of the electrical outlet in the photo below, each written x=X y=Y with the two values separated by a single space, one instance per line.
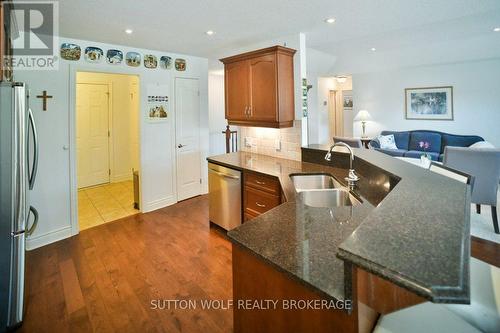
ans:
x=248 y=142
x=277 y=144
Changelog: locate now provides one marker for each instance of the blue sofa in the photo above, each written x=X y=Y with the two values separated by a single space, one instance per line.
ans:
x=408 y=143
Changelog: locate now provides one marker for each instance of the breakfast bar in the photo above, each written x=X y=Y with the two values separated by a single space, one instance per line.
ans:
x=401 y=232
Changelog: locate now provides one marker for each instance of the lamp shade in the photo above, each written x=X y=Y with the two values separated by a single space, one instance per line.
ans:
x=363 y=115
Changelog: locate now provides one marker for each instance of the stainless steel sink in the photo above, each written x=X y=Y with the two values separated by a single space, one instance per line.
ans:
x=306 y=182
x=328 y=198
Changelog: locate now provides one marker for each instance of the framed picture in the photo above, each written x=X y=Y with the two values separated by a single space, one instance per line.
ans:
x=114 y=57
x=133 y=59
x=165 y=62
x=157 y=108
x=93 y=54
x=347 y=103
x=150 y=61
x=70 y=51
x=433 y=103
x=180 y=65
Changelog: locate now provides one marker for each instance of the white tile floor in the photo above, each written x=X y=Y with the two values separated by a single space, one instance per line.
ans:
x=105 y=203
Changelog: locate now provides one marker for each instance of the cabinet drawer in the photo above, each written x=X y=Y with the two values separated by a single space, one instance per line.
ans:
x=249 y=216
x=258 y=202
x=264 y=183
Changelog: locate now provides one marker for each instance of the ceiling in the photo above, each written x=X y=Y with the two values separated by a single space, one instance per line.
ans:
x=179 y=26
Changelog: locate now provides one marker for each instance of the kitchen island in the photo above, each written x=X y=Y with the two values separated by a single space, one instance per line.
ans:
x=408 y=235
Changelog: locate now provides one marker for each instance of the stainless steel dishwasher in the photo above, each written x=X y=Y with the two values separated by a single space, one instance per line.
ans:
x=224 y=188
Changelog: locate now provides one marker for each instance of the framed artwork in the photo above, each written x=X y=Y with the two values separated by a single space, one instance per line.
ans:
x=70 y=51
x=180 y=64
x=347 y=103
x=114 y=57
x=157 y=108
x=133 y=59
x=93 y=54
x=433 y=103
x=165 y=62
x=150 y=61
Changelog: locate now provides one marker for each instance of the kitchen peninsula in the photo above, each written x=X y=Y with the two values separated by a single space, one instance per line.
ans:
x=407 y=234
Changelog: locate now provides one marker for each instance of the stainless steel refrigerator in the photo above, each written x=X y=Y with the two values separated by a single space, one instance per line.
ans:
x=18 y=166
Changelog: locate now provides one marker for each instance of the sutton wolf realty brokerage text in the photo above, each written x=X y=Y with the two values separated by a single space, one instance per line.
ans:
x=250 y=304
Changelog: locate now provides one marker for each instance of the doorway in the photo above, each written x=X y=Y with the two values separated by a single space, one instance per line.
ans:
x=107 y=147
x=336 y=113
x=187 y=137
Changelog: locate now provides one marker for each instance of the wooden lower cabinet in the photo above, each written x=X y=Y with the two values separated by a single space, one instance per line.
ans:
x=256 y=280
x=248 y=216
x=259 y=282
x=260 y=194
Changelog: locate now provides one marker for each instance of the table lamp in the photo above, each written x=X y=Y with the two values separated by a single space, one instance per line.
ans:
x=363 y=116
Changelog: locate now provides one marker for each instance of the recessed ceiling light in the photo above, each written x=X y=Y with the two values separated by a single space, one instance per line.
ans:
x=373 y=49
x=128 y=31
x=330 y=20
x=497 y=29
x=210 y=32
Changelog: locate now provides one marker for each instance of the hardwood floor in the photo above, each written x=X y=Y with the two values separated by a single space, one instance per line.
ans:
x=485 y=250
x=105 y=278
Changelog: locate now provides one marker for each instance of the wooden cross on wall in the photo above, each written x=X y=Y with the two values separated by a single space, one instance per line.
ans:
x=44 y=96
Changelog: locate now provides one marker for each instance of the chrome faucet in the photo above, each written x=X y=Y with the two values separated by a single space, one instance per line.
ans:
x=352 y=178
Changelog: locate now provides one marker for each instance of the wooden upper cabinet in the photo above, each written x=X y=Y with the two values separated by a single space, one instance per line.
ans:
x=259 y=88
x=263 y=96
x=236 y=76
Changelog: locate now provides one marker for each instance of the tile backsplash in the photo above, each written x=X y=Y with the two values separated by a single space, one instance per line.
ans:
x=283 y=143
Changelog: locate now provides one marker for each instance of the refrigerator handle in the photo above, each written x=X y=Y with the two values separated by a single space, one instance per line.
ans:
x=34 y=168
x=35 y=222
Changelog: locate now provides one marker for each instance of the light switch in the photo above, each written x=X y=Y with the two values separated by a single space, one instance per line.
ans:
x=277 y=144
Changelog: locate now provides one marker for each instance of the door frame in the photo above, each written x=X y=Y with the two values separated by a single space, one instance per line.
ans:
x=110 y=124
x=175 y=134
x=73 y=70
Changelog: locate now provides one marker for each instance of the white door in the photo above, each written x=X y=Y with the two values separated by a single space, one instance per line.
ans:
x=187 y=130
x=92 y=134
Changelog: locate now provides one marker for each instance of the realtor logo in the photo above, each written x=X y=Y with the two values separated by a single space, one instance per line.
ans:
x=33 y=32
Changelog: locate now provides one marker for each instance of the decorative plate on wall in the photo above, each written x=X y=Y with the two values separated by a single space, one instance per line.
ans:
x=133 y=59
x=70 y=51
x=93 y=54
x=180 y=64
x=166 y=62
x=114 y=57
x=150 y=61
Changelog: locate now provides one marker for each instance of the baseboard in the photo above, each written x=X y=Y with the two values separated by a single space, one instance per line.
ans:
x=157 y=204
x=120 y=178
x=48 y=238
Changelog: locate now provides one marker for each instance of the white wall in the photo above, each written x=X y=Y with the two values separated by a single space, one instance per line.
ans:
x=476 y=87
x=124 y=126
x=51 y=195
x=216 y=113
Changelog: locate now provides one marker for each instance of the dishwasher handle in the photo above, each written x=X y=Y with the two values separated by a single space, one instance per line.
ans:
x=225 y=175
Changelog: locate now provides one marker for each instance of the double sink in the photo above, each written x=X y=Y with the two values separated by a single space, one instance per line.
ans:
x=322 y=190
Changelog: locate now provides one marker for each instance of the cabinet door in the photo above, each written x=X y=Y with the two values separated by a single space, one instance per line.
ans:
x=263 y=87
x=236 y=90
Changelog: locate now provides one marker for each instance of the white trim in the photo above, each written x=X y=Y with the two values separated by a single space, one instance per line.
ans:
x=49 y=237
x=160 y=203
x=73 y=69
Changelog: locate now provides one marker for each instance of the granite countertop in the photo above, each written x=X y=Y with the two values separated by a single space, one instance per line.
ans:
x=412 y=231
